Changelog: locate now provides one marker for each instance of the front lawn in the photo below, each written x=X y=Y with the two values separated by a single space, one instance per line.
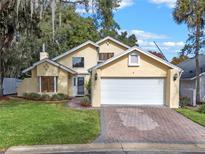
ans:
x=194 y=115
x=29 y=123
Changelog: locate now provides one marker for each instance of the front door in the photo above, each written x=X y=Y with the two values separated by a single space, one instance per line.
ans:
x=80 y=85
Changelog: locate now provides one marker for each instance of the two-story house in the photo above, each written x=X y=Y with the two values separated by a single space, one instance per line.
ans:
x=119 y=75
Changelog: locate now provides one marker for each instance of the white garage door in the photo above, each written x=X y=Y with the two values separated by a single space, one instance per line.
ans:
x=132 y=91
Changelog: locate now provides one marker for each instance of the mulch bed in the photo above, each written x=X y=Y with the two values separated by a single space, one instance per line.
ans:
x=5 y=98
x=1 y=152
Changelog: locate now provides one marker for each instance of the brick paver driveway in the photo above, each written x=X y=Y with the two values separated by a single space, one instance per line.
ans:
x=148 y=124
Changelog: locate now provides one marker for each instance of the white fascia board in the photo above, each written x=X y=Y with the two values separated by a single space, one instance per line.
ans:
x=143 y=52
x=51 y=62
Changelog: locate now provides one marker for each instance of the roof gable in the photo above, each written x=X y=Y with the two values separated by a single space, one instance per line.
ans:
x=141 y=51
x=113 y=40
x=75 y=49
x=51 y=62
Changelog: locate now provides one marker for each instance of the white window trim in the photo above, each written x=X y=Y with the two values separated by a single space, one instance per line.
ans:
x=129 y=59
x=55 y=84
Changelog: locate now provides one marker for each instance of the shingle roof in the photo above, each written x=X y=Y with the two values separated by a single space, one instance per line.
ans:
x=189 y=67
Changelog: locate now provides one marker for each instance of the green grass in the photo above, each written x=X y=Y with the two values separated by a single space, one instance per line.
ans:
x=193 y=115
x=29 y=123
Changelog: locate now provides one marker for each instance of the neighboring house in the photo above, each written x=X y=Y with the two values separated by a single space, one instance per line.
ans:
x=120 y=75
x=188 y=79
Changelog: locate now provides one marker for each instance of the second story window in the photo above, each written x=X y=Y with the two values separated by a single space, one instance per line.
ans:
x=78 y=61
x=105 y=56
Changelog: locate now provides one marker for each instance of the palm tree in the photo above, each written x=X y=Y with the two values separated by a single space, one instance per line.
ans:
x=192 y=13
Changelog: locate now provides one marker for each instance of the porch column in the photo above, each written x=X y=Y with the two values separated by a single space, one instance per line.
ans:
x=55 y=85
x=40 y=84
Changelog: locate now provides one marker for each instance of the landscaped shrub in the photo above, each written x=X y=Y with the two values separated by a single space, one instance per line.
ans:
x=184 y=101
x=45 y=97
x=62 y=96
x=202 y=109
x=26 y=95
x=85 y=101
x=34 y=96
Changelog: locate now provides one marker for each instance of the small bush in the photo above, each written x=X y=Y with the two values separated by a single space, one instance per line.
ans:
x=85 y=102
x=62 y=96
x=45 y=97
x=202 y=109
x=184 y=101
x=34 y=96
x=26 y=95
x=55 y=97
x=58 y=97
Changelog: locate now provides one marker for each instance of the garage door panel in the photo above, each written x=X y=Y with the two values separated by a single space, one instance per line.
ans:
x=135 y=91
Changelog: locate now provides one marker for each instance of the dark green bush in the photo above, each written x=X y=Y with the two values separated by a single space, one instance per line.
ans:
x=45 y=97
x=85 y=101
x=62 y=96
x=34 y=96
x=184 y=101
x=26 y=95
x=55 y=97
x=202 y=109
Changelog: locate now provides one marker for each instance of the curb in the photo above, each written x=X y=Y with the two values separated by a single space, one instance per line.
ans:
x=117 y=147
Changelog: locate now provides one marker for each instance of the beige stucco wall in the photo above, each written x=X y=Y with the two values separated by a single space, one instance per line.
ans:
x=95 y=90
x=90 y=54
x=31 y=84
x=110 y=46
x=172 y=89
x=148 y=68
x=28 y=85
x=47 y=69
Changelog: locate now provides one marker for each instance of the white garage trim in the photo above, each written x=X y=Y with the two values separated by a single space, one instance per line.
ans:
x=132 y=91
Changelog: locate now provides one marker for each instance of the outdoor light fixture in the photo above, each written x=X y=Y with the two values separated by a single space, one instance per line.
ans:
x=175 y=77
x=96 y=76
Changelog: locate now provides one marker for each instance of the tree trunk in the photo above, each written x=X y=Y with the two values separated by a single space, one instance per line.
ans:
x=198 y=35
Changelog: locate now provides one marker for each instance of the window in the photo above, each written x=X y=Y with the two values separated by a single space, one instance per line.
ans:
x=48 y=84
x=105 y=56
x=78 y=61
x=133 y=59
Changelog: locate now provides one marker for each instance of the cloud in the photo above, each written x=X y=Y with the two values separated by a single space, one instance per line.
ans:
x=142 y=35
x=167 y=47
x=126 y=3
x=173 y=44
x=147 y=35
x=169 y=3
x=123 y=4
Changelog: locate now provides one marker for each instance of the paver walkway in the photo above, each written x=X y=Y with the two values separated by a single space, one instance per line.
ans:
x=147 y=124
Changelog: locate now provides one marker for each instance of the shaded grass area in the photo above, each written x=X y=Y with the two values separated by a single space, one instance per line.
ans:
x=25 y=122
x=193 y=115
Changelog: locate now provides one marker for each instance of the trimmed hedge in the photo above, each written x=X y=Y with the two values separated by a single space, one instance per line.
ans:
x=45 y=97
